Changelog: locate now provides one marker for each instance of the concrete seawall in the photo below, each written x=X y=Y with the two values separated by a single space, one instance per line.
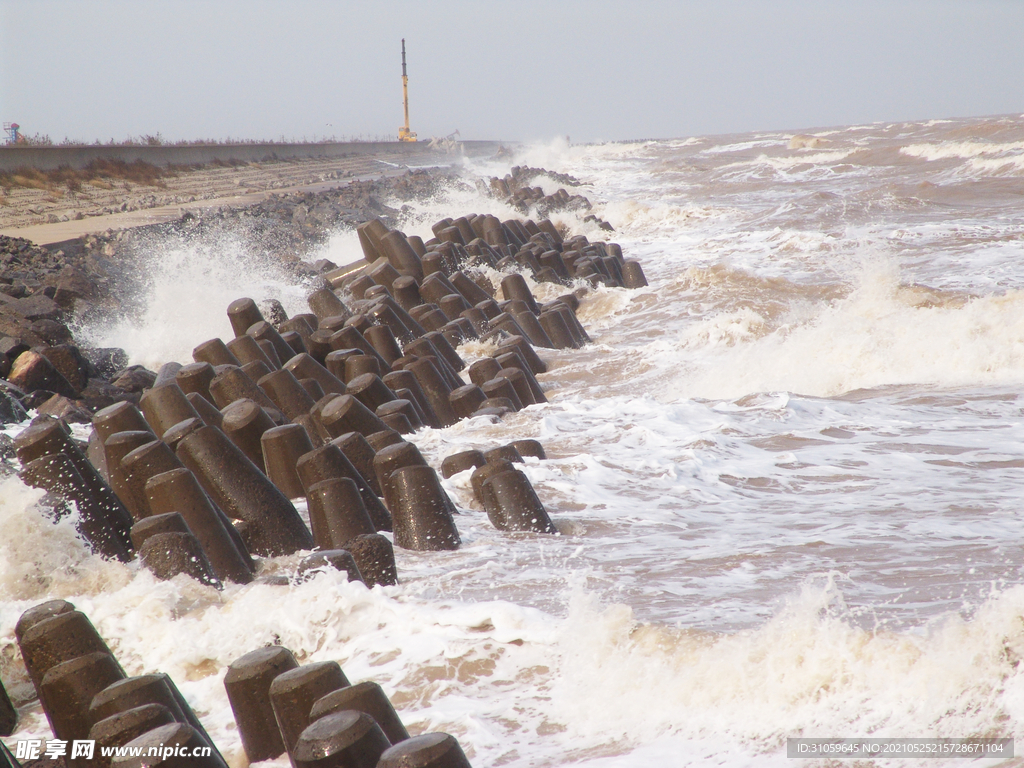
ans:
x=49 y=158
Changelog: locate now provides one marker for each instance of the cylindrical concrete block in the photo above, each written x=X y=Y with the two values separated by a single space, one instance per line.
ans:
x=407 y=380
x=305 y=367
x=383 y=341
x=465 y=400
x=247 y=350
x=337 y=513
x=313 y=388
x=329 y=462
x=214 y=352
x=195 y=377
x=244 y=423
x=514 y=287
x=633 y=275
x=514 y=359
x=484 y=369
x=325 y=303
x=38 y=613
x=273 y=356
x=247 y=682
x=206 y=409
x=177 y=745
x=282 y=448
x=420 y=510
x=117 y=730
x=513 y=505
x=168 y=522
x=294 y=692
x=119 y=417
x=335 y=361
x=179 y=491
x=499 y=386
x=170 y=554
x=287 y=394
x=265 y=332
x=348 y=414
x=406 y=291
x=537 y=365
x=486 y=471
x=319 y=345
x=375 y=557
x=232 y=384
x=357 y=450
x=365 y=697
x=143 y=463
x=398 y=422
x=350 y=338
x=394 y=457
x=528 y=448
x=530 y=324
x=435 y=389
x=243 y=492
x=54 y=640
x=67 y=690
x=401 y=255
x=490 y=308
x=361 y=365
x=446 y=350
x=460 y=462
x=519 y=383
x=243 y=313
x=431 y=750
x=381 y=440
x=333 y=559
x=403 y=408
x=257 y=369
x=557 y=330
x=116 y=447
x=350 y=739
x=165 y=406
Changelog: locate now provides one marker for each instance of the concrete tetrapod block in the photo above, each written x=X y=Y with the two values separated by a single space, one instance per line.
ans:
x=214 y=352
x=513 y=505
x=333 y=559
x=305 y=367
x=248 y=350
x=232 y=384
x=337 y=513
x=557 y=330
x=528 y=447
x=515 y=359
x=530 y=324
x=514 y=287
x=484 y=369
x=282 y=448
x=383 y=340
x=398 y=422
x=195 y=377
x=520 y=384
x=380 y=440
x=357 y=450
x=329 y=462
x=144 y=462
x=369 y=389
x=350 y=739
x=243 y=314
x=375 y=557
x=400 y=407
x=503 y=453
x=179 y=746
x=264 y=332
x=146 y=689
x=38 y=613
x=431 y=750
x=168 y=522
x=179 y=491
x=529 y=354
x=400 y=253
x=287 y=394
x=484 y=472
x=165 y=406
x=446 y=351
x=460 y=462
x=117 y=730
x=499 y=386
x=119 y=417
x=365 y=697
x=207 y=411
x=399 y=380
x=115 y=448
x=313 y=388
x=435 y=389
x=244 y=422
x=348 y=414
x=359 y=365
x=46 y=437
x=170 y=554
x=54 y=640
x=179 y=431
x=67 y=690
x=293 y=693
x=396 y=456
x=325 y=303
x=58 y=475
x=247 y=682
x=420 y=509
x=243 y=492
x=350 y=338
x=633 y=275
x=406 y=291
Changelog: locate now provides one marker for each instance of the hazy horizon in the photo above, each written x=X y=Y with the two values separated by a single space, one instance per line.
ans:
x=307 y=70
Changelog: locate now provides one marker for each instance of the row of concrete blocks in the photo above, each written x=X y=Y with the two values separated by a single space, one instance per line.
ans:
x=524 y=198
x=314 y=714
x=484 y=240
x=85 y=694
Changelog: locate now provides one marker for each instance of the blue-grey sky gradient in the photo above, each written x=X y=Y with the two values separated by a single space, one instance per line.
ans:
x=528 y=70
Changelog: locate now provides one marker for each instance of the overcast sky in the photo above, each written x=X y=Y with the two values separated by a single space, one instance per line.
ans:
x=102 y=69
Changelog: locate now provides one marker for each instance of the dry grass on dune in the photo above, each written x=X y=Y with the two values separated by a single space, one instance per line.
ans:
x=99 y=173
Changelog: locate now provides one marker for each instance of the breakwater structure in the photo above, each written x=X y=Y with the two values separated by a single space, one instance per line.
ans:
x=197 y=468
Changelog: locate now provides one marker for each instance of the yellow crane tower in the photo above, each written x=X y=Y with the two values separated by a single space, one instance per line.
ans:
x=404 y=134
